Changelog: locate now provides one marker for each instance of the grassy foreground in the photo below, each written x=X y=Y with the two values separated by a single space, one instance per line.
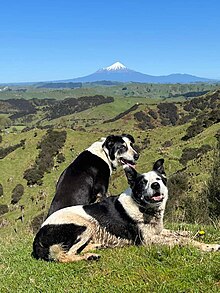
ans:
x=129 y=269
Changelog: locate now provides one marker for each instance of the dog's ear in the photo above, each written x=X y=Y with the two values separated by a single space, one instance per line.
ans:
x=131 y=175
x=158 y=166
x=129 y=136
x=110 y=141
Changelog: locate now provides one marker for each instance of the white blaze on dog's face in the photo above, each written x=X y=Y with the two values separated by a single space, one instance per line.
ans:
x=120 y=149
x=148 y=189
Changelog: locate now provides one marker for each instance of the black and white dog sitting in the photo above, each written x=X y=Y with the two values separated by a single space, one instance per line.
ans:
x=87 y=177
x=135 y=217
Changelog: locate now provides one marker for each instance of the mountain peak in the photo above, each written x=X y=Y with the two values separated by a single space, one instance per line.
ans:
x=120 y=73
x=116 y=66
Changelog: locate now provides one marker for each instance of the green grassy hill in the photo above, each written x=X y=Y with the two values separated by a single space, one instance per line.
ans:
x=129 y=269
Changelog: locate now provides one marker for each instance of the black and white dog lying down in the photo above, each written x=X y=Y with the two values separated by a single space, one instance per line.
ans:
x=87 y=177
x=133 y=218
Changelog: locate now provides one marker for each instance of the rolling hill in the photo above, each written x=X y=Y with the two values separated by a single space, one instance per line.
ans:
x=185 y=132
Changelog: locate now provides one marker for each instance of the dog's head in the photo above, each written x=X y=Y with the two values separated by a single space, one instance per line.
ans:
x=119 y=149
x=148 y=189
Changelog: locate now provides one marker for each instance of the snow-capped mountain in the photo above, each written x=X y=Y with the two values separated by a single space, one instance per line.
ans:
x=120 y=73
x=114 y=67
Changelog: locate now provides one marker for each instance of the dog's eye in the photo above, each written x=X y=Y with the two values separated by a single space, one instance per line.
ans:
x=123 y=148
x=158 y=179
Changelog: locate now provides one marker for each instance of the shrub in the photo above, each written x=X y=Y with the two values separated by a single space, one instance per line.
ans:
x=72 y=105
x=153 y=114
x=202 y=122
x=17 y=193
x=168 y=113
x=144 y=120
x=189 y=154
x=3 y=209
x=49 y=148
x=177 y=185
x=36 y=222
x=6 y=151
x=167 y=144
x=33 y=176
x=180 y=206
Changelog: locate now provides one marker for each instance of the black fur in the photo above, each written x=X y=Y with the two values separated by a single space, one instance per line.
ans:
x=111 y=215
x=88 y=175
x=80 y=183
x=55 y=234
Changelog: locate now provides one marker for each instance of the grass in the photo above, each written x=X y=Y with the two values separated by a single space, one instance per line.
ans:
x=128 y=269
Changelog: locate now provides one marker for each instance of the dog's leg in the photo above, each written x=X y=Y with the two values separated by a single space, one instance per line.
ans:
x=58 y=253
x=92 y=246
x=76 y=257
x=183 y=233
x=204 y=246
x=172 y=238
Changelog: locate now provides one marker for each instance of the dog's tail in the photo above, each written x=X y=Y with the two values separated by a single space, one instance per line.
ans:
x=57 y=253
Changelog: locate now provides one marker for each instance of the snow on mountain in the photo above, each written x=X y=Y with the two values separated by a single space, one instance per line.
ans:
x=115 y=66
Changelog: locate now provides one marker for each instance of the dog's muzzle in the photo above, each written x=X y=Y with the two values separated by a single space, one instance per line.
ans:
x=129 y=163
x=157 y=197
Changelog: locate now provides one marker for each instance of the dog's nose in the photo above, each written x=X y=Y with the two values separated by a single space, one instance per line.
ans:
x=155 y=185
x=136 y=156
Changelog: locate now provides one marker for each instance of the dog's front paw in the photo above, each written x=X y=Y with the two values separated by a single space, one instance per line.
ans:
x=92 y=256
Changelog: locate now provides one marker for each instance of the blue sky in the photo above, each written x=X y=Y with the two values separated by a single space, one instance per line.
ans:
x=50 y=39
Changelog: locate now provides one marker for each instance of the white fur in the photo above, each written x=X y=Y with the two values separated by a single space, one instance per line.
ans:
x=130 y=206
x=97 y=149
x=67 y=216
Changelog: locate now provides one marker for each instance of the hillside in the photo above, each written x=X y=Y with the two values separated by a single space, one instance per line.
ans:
x=185 y=133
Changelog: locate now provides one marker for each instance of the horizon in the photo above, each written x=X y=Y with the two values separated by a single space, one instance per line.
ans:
x=47 y=41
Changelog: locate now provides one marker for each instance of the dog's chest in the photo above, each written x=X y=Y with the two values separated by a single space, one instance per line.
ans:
x=152 y=225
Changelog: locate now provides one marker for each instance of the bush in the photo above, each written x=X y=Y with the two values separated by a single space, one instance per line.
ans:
x=37 y=222
x=144 y=120
x=49 y=147
x=177 y=186
x=3 y=209
x=72 y=105
x=202 y=122
x=167 y=144
x=17 y=193
x=153 y=114
x=168 y=113
x=189 y=154
x=33 y=176
x=180 y=206
x=6 y=151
